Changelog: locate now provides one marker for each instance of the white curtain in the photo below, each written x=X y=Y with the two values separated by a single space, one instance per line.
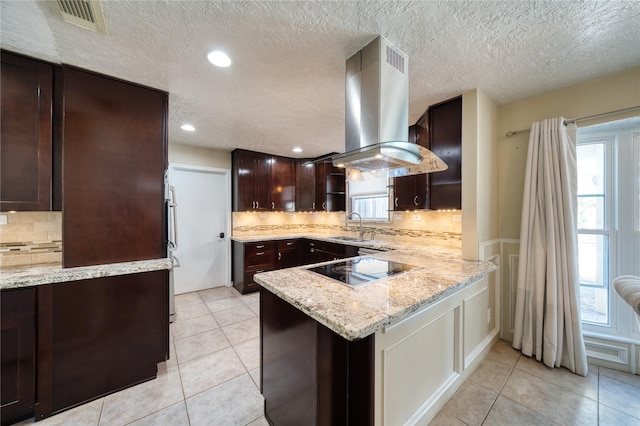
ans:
x=547 y=317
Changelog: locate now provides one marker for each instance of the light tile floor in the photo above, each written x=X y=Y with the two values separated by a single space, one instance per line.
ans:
x=213 y=374
x=509 y=388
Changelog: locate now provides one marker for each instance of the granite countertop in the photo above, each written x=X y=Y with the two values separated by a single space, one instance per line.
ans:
x=357 y=312
x=31 y=275
x=373 y=244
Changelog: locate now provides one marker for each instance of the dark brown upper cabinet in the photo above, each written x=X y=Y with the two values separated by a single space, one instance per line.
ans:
x=251 y=180
x=305 y=186
x=411 y=192
x=283 y=182
x=445 y=140
x=26 y=134
x=114 y=152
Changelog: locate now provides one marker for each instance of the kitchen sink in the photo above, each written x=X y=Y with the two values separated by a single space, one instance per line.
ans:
x=347 y=239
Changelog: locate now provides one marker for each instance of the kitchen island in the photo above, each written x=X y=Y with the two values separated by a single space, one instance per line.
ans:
x=388 y=352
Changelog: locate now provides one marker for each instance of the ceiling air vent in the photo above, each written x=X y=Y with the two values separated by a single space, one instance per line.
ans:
x=83 y=13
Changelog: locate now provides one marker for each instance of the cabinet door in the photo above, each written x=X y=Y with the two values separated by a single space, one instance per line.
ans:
x=243 y=164
x=411 y=192
x=283 y=181
x=305 y=186
x=445 y=140
x=288 y=255
x=26 y=135
x=18 y=344
x=114 y=153
x=321 y=186
x=262 y=182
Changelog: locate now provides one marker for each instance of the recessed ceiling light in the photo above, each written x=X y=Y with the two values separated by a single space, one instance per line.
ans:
x=188 y=127
x=297 y=149
x=219 y=59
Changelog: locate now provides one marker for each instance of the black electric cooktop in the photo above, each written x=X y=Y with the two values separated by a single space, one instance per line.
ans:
x=361 y=270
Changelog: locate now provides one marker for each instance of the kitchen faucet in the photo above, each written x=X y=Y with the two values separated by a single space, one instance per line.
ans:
x=361 y=231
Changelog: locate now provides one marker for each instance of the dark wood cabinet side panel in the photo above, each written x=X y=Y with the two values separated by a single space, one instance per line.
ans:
x=25 y=137
x=361 y=381
x=113 y=185
x=108 y=334
x=44 y=382
x=17 y=344
x=288 y=362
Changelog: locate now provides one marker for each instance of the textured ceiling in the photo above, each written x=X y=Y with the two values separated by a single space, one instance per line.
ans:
x=286 y=84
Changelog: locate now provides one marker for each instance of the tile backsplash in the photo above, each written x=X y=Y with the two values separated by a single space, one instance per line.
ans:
x=422 y=226
x=31 y=238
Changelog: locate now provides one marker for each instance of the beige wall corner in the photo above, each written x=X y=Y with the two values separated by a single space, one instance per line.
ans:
x=199 y=156
x=479 y=172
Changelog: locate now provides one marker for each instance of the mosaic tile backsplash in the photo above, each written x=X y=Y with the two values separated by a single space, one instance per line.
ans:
x=31 y=238
x=424 y=226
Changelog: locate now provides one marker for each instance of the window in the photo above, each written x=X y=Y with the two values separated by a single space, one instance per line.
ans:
x=369 y=196
x=608 y=219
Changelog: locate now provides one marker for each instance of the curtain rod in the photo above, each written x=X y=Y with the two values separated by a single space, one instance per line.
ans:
x=577 y=120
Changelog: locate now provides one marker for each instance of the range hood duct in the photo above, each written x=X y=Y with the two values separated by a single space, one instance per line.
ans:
x=377 y=115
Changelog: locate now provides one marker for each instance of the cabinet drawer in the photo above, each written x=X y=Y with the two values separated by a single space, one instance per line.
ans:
x=249 y=283
x=287 y=244
x=259 y=255
x=260 y=246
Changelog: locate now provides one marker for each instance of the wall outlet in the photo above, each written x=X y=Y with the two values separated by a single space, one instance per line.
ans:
x=457 y=218
x=263 y=215
x=489 y=316
x=3 y=219
x=397 y=217
x=416 y=217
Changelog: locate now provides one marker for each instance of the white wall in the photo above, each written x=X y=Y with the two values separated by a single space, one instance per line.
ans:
x=199 y=156
x=479 y=172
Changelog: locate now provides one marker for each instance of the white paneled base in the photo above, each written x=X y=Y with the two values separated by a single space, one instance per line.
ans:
x=421 y=361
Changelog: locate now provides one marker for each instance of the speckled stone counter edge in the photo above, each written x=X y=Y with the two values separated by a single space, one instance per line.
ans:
x=32 y=275
x=442 y=273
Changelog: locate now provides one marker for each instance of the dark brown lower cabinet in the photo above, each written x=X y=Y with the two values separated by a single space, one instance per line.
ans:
x=98 y=336
x=309 y=374
x=18 y=344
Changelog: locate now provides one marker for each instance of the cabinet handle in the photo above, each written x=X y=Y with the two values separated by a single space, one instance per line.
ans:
x=415 y=200
x=324 y=206
x=273 y=205
x=260 y=253
x=396 y=202
x=313 y=205
x=279 y=256
x=260 y=246
x=289 y=243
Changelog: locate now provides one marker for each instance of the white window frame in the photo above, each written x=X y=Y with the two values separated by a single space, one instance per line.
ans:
x=621 y=226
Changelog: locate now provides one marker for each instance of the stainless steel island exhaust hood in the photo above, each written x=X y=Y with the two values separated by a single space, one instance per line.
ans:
x=377 y=115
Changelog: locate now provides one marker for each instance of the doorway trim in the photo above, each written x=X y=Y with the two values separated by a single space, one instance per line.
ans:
x=227 y=183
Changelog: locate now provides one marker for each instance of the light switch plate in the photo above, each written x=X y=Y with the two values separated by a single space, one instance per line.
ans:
x=397 y=217
x=457 y=218
x=263 y=215
x=3 y=219
x=416 y=217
